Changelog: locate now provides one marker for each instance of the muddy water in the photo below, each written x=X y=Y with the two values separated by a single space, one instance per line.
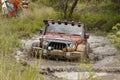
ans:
x=103 y=56
x=101 y=47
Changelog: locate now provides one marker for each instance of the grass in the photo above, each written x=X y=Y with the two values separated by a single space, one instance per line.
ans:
x=11 y=70
x=30 y=22
x=14 y=29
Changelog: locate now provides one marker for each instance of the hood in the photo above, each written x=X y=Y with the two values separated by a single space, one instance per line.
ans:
x=60 y=36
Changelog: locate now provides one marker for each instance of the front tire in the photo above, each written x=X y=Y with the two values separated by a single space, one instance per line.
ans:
x=35 y=52
x=87 y=50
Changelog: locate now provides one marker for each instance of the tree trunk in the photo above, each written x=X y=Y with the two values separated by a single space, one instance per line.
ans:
x=65 y=9
x=72 y=8
x=88 y=2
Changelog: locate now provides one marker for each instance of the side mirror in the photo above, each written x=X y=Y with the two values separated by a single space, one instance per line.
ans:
x=41 y=30
x=86 y=36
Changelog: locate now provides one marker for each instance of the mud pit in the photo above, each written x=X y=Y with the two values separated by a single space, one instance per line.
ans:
x=104 y=61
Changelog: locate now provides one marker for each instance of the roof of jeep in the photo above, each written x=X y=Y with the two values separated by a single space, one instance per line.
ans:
x=65 y=22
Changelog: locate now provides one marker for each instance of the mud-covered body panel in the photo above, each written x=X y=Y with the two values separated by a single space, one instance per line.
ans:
x=68 y=37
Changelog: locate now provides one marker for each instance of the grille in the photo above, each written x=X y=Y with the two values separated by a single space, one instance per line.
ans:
x=58 y=46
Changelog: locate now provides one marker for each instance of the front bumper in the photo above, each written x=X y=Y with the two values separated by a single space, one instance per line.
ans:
x=60 y=53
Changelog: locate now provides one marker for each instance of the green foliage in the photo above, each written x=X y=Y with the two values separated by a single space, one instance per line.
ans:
x=8 y=41
x=102 y=16
x=11 y=70
x=115 y=36
x=30 y=23
x=12 y=30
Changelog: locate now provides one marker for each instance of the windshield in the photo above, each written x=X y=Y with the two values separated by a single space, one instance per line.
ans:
x=62 y=28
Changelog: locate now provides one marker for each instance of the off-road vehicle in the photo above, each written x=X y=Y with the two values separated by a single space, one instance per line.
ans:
x=63 y=39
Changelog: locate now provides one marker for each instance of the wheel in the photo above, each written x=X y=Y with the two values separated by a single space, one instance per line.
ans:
x=87 y=50
x=35 y=52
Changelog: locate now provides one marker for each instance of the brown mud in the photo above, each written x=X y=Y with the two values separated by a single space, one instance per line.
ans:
x=104 y=61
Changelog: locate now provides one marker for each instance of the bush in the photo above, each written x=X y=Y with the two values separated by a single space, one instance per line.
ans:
x=103 y=16
x=115 y=35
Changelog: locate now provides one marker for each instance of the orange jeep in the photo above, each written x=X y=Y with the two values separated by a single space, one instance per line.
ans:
x=62 y=39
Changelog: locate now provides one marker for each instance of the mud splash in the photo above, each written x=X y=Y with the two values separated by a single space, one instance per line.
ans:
x=103 y=55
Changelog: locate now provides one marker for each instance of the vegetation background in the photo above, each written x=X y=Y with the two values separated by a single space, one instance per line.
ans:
x=103 y=15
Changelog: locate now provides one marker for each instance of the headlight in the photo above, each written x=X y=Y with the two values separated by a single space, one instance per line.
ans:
x=45 y=43
x=72 y=45
x=81 y=47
